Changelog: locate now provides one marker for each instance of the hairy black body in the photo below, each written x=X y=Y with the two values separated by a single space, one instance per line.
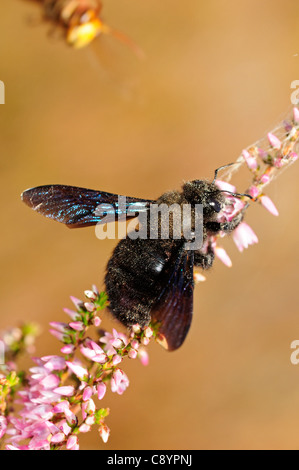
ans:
x=147 y=279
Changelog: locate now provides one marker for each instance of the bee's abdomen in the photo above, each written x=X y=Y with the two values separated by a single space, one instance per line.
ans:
x=132 y=278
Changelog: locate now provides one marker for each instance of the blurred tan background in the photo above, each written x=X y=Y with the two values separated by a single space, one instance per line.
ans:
x=217 y=76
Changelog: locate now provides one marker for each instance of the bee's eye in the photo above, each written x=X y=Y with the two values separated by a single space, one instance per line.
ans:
x=215 y=205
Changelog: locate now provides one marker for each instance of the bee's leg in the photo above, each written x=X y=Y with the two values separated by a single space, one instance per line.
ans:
x=204 y=260
x=229 y=227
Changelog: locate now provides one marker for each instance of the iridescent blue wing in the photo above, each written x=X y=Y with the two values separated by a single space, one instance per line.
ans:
x=80 y=207
x=173 y=308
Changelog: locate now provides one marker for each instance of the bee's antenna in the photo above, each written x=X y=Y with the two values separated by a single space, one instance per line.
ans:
x=238 y=194
x=222 y=168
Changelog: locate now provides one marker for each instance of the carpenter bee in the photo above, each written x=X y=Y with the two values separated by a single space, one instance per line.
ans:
x=149 y=278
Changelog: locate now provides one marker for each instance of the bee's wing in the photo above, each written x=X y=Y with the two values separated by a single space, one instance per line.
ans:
x=80 y=207
x=174 y=307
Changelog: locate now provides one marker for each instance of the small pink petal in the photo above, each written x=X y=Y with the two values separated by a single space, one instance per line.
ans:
x=101 y=389
x=198 y=277
x=59 y=326
x=58 y=437
x=72 y=314
x=54 y=362
x=135 y=344
x=143 y=356
x=60 y=336
x=274 y=141
x=265 y=179
x=3 y=426
x=97 y=321
x=296 y=115
x=132 y=354
x=269 y=205
x=148 y=332
x=72 y=442
x=104 y=432
x=61 y=407
x=294 y=156
x=77 y=325
x=77 y=302
x=50 y=381
x=250 y=160
x=254 y=191
x=244 y=236
x=84 y=428
x=224 y=186
x=67 y=349
x=116 y=359
x=67 y=390
x=223 y=256
x=87 y=394
x=90 y=294
x=78 y=370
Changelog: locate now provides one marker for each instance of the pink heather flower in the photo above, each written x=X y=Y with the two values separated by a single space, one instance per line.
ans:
x=198 y=277
x=64 y=427
x=90 y=294
x=53 y=363
x=77 y=325
x=61 y=407
x=119 y=381
x=136 y=328
x=254 y=191
x=224 y=186
x=265 y=178
x=104 y=432
x=89 y=306
x=78 y=370
x=269 y=205
x=244 y=236
x=101 y=389
x=90 y=420
x=3 y=426
x=250 y=160
x=88 y=408
x=97 y=321
x=87 y=394
x=60 y=326
x=77 y=302
x=50 y=381
x=232 y=207
x=145 y=341
x=132 y=354
x=115 y=340
x=135 y=344
x=296 y=115
x=93 y=351
x=294 y=156
x=274 y=141
x=84 y=428
x=67 y=390
x=68 y=349
x=148 y=332
x=58 y=437
x=116 y=359
x=60 y=336
x=223 y=256
x=64 y=407
x=72 y=314
x=143 y=356
x=72 y=443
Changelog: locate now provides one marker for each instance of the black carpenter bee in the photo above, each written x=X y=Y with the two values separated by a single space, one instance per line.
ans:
x=148 y=278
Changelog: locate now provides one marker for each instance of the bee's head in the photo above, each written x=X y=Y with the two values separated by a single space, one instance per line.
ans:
x=205 y=193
